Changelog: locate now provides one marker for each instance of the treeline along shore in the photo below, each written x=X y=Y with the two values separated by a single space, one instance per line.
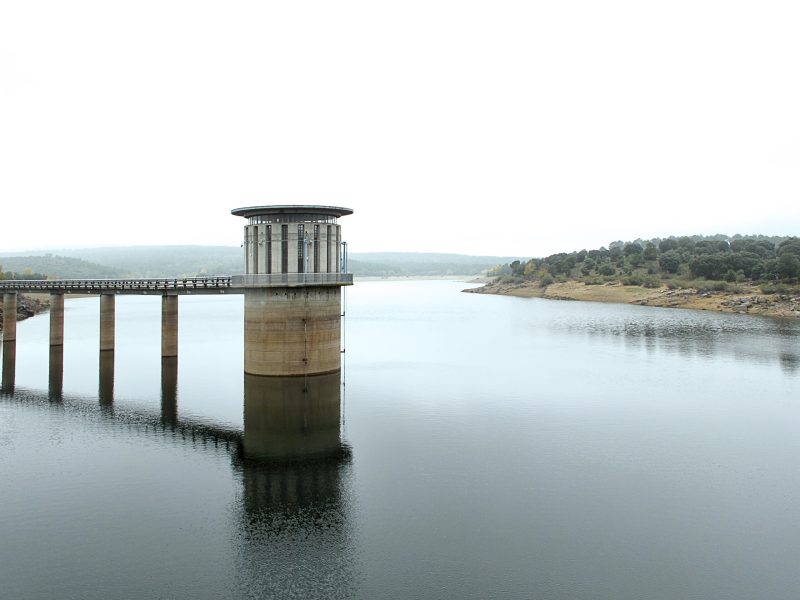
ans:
x=744 y=274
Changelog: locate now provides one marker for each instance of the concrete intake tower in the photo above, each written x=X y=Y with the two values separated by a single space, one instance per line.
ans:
x=295 y=267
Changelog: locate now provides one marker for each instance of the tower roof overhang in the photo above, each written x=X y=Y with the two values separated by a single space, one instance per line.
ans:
x=292 y=209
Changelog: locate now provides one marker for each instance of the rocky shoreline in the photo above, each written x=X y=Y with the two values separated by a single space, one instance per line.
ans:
x=27 y=306
x=748 y=300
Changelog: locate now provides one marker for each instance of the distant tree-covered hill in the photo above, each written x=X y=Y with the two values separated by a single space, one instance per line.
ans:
x=739 y=258
x=166 y=261
x=52 y=266
x=410 y=264
x=190 y=261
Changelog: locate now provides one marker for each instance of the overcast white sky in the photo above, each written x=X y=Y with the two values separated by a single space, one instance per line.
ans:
x=496 y=127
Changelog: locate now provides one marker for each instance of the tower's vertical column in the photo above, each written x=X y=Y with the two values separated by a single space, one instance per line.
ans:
x=292 y=331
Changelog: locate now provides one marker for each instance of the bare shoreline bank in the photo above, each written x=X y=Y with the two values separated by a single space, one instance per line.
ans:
x=749 y=300
x=28 y=305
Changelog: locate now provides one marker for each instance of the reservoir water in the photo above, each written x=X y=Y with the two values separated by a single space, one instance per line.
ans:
x=487 y=447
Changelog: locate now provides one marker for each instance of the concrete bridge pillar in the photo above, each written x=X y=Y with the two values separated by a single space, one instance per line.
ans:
x=9 y=316
x=107 y=321
x=292 y=331
x=56 y=319
x=169 y=326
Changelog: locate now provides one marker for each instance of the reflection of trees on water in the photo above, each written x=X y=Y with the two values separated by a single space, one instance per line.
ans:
x=761 y=339
x=790 y=362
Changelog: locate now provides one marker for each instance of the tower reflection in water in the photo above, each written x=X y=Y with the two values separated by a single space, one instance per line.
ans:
x=296 y=532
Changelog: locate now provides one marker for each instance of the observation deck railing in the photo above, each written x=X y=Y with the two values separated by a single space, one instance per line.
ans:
x=292 y=280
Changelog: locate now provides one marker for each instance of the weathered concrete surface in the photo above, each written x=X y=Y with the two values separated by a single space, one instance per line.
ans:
x=56 y=319
x=292 y=331
x=107 y=321
x=169 y=326
x=9 y=317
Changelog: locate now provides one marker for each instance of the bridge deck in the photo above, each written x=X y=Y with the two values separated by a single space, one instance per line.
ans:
x=184 y=285
x=176 y=285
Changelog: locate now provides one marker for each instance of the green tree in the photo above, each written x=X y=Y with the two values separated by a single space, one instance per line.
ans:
x=788 y=266
x=632 y=248
x=636 y=259
x=670 y=261
x=789 y=246
x=607 y=270
x=667 y=245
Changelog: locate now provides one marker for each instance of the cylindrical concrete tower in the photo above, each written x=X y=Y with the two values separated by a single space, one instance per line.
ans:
x=295 y=266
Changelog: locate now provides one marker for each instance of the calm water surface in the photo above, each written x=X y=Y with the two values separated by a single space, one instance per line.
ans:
x=489 y=447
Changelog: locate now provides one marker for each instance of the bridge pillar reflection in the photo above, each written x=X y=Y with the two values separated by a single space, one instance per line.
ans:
x=169 y=390
x=9 y=366
x=56 y=372
x=56 y=319
x=105 y=386
x=9 y=316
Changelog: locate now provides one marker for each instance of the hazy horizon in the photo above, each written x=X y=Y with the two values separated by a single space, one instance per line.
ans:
x=506 y=128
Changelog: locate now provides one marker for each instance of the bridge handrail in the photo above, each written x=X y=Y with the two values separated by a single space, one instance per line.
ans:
x=150 y=283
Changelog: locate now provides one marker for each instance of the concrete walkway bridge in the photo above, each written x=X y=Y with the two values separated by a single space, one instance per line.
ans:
x=295 y=268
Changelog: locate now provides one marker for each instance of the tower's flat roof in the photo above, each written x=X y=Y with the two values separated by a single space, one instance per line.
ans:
x=292 y=209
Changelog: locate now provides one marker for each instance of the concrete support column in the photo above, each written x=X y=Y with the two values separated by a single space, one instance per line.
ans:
x=9 y=316
x=169 y=326
x=56 y=319
x=292 y=331
x=107 y=320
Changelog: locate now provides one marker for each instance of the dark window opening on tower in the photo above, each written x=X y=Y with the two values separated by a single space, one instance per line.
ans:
x=301 y=255
x=284 y=248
